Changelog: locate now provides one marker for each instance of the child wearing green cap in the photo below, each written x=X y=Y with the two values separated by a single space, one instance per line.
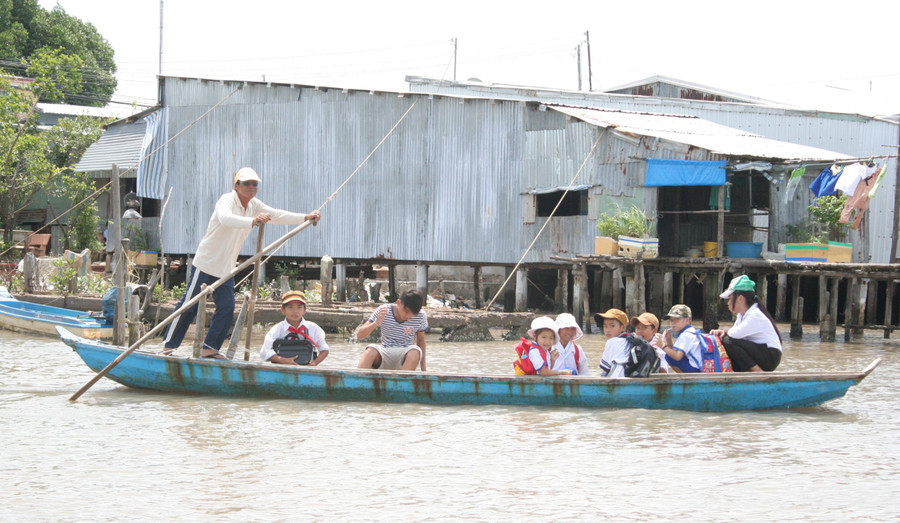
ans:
x=753 y=343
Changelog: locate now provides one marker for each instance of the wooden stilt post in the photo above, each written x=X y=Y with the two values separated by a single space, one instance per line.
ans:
x=685 y=279
x=562 y=290
x=392 y=281
x=476 y=279
x=888 y=307
x=823 y=299
x=118 y=257
x=711 y=291
x=639 y=303
x=781 y=297
x=859 y=303
x=200 y=325
x=667 y=295
x=849 y=307
x=585 y=314
x=762 y=289
x=577 y=289
x=509 y=293
x=340 y=281
x=831 y=327
x=616 y=287
x=238 y=327
x=521 y=290
x=796 y=309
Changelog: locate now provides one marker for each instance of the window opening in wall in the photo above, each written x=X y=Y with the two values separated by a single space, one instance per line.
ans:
x=575 y=203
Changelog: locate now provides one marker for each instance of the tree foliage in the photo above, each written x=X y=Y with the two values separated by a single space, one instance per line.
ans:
x=30 y=34
x=32 y=161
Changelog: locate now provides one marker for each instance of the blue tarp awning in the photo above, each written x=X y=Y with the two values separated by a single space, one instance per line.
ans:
x=666 y=173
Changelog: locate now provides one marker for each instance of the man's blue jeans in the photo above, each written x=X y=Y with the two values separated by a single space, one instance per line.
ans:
x=220 y=324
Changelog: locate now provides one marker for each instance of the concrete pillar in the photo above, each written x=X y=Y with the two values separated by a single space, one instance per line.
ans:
x=781 y=297
x=422 y=277
x=340 y=281
x=521 y=290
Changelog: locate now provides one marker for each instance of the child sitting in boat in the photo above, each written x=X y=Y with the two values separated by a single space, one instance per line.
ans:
x=535 y=355
x=294 y=327
x=403 y=325
x=682 y=343
x=753 y=342
x=646 y=327
x=617 y=350
x=569 y=355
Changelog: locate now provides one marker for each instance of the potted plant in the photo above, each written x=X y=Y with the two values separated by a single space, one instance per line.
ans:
x=820 y=237
x=627 y=233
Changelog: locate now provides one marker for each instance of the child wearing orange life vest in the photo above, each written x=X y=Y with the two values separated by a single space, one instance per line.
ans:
x=542 y=336
x=569 y=355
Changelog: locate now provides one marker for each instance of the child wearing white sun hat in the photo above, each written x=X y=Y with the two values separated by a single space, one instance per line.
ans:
x=569 y=355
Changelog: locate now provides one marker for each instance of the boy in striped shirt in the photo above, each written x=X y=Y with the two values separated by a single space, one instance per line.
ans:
x=403 y=325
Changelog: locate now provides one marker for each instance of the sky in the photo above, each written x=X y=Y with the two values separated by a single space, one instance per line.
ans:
x=815 y=55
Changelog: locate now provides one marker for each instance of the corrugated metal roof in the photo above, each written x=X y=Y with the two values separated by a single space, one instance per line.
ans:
x=700 y=133
x=120 y=144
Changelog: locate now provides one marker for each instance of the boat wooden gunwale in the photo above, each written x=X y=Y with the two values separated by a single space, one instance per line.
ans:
x=23 y=316
x=696 y=392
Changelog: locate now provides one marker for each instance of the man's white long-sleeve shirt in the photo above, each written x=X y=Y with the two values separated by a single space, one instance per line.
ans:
x=228 y=227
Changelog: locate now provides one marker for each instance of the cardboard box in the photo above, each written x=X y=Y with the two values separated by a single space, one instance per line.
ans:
x=813 y=252
x=638 y=247
x=606 y=246
x=840 y=252
x=143 y=258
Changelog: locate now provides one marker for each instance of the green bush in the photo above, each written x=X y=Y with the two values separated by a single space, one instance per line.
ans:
x=634 y=222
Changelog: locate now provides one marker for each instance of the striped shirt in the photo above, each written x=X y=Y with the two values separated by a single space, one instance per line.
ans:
x=396 y=334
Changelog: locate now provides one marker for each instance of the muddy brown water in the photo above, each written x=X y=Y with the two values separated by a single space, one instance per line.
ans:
x=121 y=454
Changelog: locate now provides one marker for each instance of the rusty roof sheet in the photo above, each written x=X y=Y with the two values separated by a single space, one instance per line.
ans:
x=697 y=132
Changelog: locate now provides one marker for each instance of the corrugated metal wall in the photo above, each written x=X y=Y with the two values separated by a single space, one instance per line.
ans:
x=854 y=135
x=448 y=185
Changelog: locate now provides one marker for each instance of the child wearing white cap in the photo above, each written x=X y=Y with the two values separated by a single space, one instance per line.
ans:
x=543 y=337
x=568 y=354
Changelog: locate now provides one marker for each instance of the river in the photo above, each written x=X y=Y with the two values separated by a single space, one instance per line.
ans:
x=120 y=454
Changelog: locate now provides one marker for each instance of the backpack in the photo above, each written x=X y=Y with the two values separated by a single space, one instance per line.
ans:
x=715 y=359
x=523 y=365
x=642 y=360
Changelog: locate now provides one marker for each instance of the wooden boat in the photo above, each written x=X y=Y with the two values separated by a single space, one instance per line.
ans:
x=22 y=316
x=699 y=392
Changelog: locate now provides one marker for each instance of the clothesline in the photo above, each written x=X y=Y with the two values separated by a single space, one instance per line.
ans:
x=849 y=160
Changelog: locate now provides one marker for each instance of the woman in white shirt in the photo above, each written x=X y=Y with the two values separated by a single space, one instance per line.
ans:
x=753 y=342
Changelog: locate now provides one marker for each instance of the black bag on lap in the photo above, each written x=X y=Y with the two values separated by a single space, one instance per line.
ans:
x=642 y=360
x=294 y=345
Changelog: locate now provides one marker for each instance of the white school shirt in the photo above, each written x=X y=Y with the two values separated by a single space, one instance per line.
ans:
x=754 y=326
x=566 y=358
x=280 y=331
x=229 y=226
x=689 y=343
x=617 y=350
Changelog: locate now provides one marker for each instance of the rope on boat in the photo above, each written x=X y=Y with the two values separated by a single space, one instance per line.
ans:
x=547 y=222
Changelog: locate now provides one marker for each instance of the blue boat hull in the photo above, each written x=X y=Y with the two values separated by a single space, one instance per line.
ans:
x=43 y=319
x=697 y=392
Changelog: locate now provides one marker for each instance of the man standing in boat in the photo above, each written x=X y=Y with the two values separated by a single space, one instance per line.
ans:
x=235 y=215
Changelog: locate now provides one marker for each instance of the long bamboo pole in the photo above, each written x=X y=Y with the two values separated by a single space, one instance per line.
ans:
x=190 y=303
x=254 y=292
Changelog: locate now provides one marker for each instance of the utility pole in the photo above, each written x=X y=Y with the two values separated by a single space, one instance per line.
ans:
x=160 y=34
x=454 y=59
x=587 y=38
x=578 y=59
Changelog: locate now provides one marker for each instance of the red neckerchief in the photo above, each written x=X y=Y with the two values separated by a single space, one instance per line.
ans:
x=302 y=330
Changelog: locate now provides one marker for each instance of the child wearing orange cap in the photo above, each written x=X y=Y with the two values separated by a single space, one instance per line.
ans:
x=293 y=306
x=617 y=349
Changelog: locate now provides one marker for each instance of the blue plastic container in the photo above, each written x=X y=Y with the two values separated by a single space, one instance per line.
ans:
x=744 y=249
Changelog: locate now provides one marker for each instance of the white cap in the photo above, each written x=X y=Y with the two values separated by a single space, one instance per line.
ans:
x=543 y=322
x=246 y=174
x=565 y=320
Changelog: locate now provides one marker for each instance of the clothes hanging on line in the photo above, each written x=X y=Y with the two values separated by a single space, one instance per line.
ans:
x=823 y=185
x=859 y=200
x=851 y=175
x=878 y=179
